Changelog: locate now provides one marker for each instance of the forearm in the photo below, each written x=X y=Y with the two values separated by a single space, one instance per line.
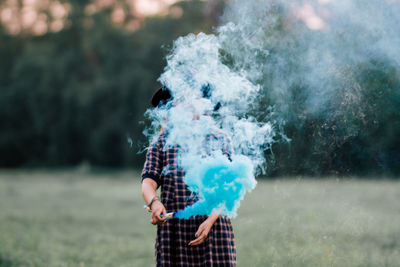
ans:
x=214 y=216
x=149 y=188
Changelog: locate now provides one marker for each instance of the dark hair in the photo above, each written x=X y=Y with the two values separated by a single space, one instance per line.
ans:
x=161 y=97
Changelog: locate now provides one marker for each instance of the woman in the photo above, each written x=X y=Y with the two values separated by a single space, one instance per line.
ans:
x=198 y=241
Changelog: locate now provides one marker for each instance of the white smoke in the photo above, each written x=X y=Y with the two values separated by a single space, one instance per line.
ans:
x=266 y=58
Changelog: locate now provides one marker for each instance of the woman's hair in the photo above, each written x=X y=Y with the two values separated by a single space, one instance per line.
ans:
x=161 y=97
x=164 y=95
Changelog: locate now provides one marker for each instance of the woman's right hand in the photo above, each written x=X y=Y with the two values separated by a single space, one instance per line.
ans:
x=157 y=208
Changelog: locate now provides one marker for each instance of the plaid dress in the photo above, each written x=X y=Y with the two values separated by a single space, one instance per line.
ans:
x=172 y=248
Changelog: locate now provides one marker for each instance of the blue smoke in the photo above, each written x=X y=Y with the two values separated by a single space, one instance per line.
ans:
x=220 y=184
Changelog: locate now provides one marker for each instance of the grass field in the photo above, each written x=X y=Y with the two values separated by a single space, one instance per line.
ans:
x=80 y=219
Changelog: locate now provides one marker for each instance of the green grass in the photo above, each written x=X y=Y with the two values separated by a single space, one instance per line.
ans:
x=79 y=219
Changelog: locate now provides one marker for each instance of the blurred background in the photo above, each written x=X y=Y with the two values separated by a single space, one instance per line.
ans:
x=76 y=77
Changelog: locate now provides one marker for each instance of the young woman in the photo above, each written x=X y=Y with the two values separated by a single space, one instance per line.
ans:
x=198 y=241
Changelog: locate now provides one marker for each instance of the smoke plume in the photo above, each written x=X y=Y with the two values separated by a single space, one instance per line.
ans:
x=270 y=64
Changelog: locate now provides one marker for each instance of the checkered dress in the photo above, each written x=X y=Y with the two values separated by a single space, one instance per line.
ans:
x=172 y=248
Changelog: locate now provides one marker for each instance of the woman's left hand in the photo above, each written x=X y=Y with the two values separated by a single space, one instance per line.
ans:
x=203 y=230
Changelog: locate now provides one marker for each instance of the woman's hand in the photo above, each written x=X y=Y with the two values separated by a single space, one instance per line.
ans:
x=149 y=187
x=157 y=208
x=203 y=230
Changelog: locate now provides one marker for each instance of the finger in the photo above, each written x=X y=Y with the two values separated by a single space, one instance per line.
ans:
x=198 y=240
x=199 y=231
x=157 y=222
x=194 y=242
x=155 y=219
x=160 y=222
x=158 y=216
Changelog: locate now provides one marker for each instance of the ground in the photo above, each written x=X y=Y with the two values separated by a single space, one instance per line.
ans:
x=76 y=218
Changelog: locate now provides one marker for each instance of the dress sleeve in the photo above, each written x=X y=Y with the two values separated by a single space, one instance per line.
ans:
x=153 y=164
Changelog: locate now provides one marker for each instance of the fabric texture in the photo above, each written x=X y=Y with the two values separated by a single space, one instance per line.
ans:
x=172 y=239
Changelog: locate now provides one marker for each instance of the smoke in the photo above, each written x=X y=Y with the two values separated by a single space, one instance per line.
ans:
x=313 y=46
x=270 y=63
x=325 y=67
x=221 y=146
x=221 y=184
x=208 y=117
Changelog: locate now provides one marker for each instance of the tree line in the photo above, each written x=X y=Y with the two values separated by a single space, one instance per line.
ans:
x=79 y=95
